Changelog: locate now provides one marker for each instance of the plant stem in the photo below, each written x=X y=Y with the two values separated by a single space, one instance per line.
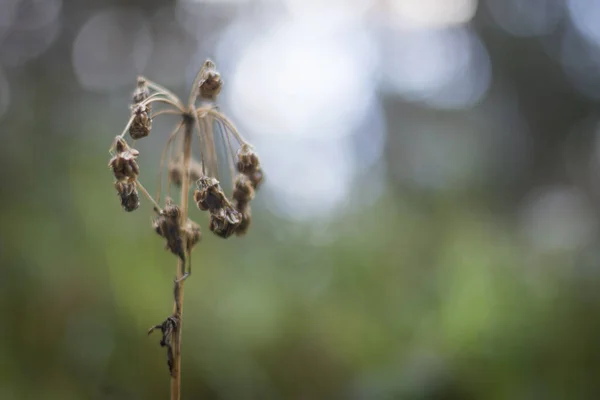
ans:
x=178 y=306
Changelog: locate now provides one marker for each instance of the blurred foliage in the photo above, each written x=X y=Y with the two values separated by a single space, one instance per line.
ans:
x=417 y=295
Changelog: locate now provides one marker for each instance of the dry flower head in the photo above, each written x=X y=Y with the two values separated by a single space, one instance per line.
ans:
x=201 y=121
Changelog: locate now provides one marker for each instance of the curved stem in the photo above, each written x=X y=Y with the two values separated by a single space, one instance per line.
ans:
x=211 y=154
x=162 y=100
x=167 y=92
x=145 y=192
x=154 y=96
x=174 y=112
x=122 y=135
x=200 y=141
x=227 y=123
x=230 y=153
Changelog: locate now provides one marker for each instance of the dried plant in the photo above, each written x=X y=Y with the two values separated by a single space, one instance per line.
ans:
x=180 y=233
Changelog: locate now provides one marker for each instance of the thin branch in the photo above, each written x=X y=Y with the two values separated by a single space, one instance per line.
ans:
x=162 y=100
x=122 y=135
x=167 y=92
x=174 y=112
x=230 y=153
x=200 y=141
x=145 y=192
x=154 y=96
x=213 y=167
x=221 y=117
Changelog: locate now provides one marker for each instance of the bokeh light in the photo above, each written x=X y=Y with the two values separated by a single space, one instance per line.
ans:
x=110 y=48
x=447 y=68
x=527 y=18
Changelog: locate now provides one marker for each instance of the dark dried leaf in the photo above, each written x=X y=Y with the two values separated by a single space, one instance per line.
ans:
x=168 y=327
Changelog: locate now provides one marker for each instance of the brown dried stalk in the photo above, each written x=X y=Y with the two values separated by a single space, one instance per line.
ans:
x=172 y=222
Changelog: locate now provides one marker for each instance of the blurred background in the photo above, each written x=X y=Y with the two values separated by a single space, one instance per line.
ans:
x=428 y=228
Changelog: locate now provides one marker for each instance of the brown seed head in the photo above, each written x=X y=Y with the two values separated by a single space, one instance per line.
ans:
x=176 y=171
x=242 y=228
x=120 y=145
x=128 y=194
x=171 y=209
x=210 y=87
x=192 y=234
x=141 y=93
x=247 y=160
x=256 y=178
x=243 y=190
x=142 y=124
x=224 y=222
x=211 y=83
x=167 y=226
x=123 y=164
x=209 y=195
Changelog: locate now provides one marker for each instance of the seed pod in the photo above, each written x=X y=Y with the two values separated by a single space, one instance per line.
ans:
x=242 y=228
x=128 y=195
x=209 y=195
x=192 y=234
x=211 y=83
x=224 y=222
x=167 y=226
x=247 y=160
x=171 y=210
x=120 y=145
x=176 y=172
x=256 y=178
x=243 y=190
x=141 y=125
x=141 y=93
x=123 y=164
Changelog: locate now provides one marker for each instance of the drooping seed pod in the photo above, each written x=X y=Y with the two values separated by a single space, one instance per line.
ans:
x=176 y=171
x=192 y=234
x=123 y=164
x=243 y=190
x=247 y=160
x=242 y=228
x=171 y=210
x=167 y=226
x=256 y=178
x=211 y=83
x=141 y=93
x=142 y=124
x=209 y=195
x=128 y=194
x=120 y=145
x=224 y=222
